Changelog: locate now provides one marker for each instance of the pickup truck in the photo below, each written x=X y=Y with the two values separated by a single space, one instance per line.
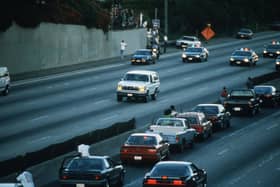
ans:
x=176 y=131
x=243 y=101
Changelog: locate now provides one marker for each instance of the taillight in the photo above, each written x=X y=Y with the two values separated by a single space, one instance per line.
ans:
x=124 y=150
x=151 y=181
x=97 y=177
x=64 y=177
x=152 y=150
x=177 y=139
x=164 y=177
x=199 y=129
x=177 y=182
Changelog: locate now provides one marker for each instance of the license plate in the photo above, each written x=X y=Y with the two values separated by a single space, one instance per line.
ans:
x=238 y=62
x=189 y=58
x=138 y=60
x=237 y=109
x=242 y=36
x=137 y=157
x=80 y=185
x=270 y=54
x=129 y=95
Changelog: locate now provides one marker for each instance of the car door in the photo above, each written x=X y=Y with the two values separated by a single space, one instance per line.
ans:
x=198 y=175
x=113 y=172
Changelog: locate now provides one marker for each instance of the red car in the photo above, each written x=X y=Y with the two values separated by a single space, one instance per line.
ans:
x=144 y=147
x=199 y=122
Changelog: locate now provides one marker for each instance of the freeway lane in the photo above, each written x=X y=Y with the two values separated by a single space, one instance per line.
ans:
x=248 y=154
x=37 y=113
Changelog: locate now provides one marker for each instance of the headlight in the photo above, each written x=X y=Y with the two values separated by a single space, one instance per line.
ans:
x=119 y=88
x=277 y=52
x=264 y=51
x=197 y=56
x=143 y=60
x=246 y=60
x=184 y=55
x=142 y=88
x=154 y=50
x=278 y=63
x=231 y=59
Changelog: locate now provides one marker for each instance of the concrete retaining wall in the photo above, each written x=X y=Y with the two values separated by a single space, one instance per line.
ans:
x=56 y=45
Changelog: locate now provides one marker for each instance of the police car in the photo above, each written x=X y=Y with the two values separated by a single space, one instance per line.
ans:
x=243 y=56
x=277 y=63
x=272 y=50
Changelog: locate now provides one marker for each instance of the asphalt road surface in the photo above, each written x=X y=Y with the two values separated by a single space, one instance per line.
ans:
x=49 y=110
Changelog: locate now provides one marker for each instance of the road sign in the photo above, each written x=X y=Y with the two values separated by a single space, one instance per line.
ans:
x=208 y=33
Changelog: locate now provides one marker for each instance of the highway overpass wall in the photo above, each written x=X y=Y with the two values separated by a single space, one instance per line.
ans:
x=56 y=45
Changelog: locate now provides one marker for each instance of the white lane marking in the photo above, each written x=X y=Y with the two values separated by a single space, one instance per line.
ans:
x=187 y=78
x=39 y=118
x=40 y=139
x=101 y=101
x=223 y=152
x=66 y=84
x=272 y=126
x=163 y=101
x=110 y=117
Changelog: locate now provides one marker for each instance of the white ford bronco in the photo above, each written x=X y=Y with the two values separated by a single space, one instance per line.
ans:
x=139 y=84
x=176 y=131
x=4 y=80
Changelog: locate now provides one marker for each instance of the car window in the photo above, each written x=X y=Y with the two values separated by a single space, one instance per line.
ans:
x=192 y=120
x=238 y=93
x=141 y=140
x=136 y=77
x=207 y=109
x=263 y=90
x=242 y=53
x=170 y=170
x=85 y=164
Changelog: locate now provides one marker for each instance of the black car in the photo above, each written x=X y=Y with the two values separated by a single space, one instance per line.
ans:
x=268 y=94
x=197 y=54
x=244 y=33
x=143 y=56
x=175 y=173
x=91 y=170
x=277 y=63
x=243 y=101
x=272 y=50
x=216 y=113
x=243 y=56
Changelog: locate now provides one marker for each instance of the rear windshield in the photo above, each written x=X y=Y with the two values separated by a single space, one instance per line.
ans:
x=263 y=90
x=169 y=170
x=85 y=164
x=188 y=38
x=170 y=122
x=141 y=140
x=241 y=93
x=136 y=77
x=207 y=109
x=142 y=53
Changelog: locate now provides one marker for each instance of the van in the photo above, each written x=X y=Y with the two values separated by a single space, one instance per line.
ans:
x=4 y=80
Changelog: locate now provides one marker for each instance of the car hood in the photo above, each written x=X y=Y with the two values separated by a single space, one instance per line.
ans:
x=133 y=83
x=192 y=53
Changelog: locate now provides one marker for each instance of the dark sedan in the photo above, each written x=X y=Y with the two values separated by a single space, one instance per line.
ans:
x=216 y=113
x=243 y=56
x=268 y=94
x=141 y=147
x=245 y=34
x=272 y=50
x=197 y=54
x=143 y=56
x=92 y=170
x=175 y=173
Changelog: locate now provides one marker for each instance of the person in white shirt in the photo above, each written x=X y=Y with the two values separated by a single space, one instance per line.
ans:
x=123 y=46
x=26 y=179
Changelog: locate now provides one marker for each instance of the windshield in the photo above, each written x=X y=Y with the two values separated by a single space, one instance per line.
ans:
x=207 y=109
x=142 y=53
x=194 y=49
x=85 y=164
x=242 y=93
x=141 y=140
x=174 y=170
x=263 y=90
x=136 y=77
x=245 y=30
x=188 y=38
x=241 y=53
x=273 y=46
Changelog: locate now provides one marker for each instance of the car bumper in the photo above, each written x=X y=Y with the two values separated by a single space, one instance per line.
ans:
x=138 y=61
x=239 y=109
x=270 y=54
x=140 y=157
x=240 y=62
x=131 y=94
x=85 y=182
x=192 y=58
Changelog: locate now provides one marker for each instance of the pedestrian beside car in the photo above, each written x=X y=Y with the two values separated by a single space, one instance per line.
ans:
x=173 y=111
x=26 y=179
x=223 y=95
x=123 y=47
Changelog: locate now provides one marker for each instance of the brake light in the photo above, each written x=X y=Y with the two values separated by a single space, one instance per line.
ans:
x=152 y=150
x=177 y=182
x=151 y=181
x=97 y=177
x=64 y=177
x=177 y=139
x=199 y=129
x=123 y=150
x=164 y=177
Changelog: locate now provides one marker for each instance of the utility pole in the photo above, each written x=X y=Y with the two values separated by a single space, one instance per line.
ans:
x=155 y=13
x=166 y=17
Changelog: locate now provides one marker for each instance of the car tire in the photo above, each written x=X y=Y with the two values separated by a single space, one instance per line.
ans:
x=119 y=98
x=154 y=96
x=6 y=91
x=253 y=112
x=146 y=98
x=121 y=179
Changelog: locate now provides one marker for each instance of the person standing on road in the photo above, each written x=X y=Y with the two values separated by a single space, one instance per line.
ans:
x=123 y=46
x=223 y=95
x=26 y=179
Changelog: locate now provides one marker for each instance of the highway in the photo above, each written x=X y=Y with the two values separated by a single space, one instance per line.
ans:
x=43 y=111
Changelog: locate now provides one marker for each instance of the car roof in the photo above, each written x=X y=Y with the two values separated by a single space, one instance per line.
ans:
x=143 y=50
x=217 y=105
x=143 y=72
x=190 y=114
x=145 y=134
x=174 y=162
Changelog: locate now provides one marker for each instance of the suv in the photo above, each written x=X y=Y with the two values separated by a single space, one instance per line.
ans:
x=4 y=80
x=139 y=84
x=187 y=41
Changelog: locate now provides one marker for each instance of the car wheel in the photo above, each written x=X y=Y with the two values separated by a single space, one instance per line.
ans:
x=154 y=96
x=119 y=98
x=182 y=146
x=146 y=98
x=6 y=91
x=253 y=112
x=121 y=179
